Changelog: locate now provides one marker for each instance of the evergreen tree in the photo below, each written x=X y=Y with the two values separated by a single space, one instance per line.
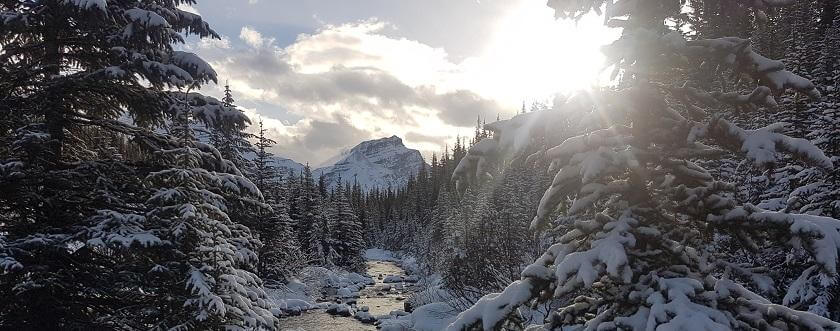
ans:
x=281 y=254
x=118 y=258
x=638 y=248
x=234 y=145
x=345 y=232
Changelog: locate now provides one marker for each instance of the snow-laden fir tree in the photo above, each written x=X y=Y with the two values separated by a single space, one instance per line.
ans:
x=307 y=215
x=234 y=145
x=280 y=255
x=137 y=240
x=345 y=232
x=192 y=239
x=638 y=250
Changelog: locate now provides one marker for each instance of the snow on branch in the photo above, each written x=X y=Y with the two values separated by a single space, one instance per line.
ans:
x=191 y=23
x=738 y=53
x=757 y=312
x=121 y=229
x=199 y=70
x=7 y=263
x=820 y=235
x=491 y=311
x=763 y=145
x=101 y=5
x=760 y=97
x=209 y=111
x=606 y=255
x=475 y=162
x=146 y=18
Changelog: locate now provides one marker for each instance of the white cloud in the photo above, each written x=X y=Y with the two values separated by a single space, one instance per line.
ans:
x=210 y=43
x=363 y=44
x=346 y=83
x=251 y=37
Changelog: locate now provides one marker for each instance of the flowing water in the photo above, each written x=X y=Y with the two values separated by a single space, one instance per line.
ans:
x=379 y=301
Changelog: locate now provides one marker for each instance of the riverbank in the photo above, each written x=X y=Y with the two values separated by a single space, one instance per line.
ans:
x=339 y=300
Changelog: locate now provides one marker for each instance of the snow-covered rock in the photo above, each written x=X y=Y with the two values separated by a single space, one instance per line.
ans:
x=291 y=299
x=340 y=309
x=431 y=317
x=393 y=279
x=345 y=292
x=364 y=315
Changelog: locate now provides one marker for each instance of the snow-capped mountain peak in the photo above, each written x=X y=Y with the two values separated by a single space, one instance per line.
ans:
x=381 y=163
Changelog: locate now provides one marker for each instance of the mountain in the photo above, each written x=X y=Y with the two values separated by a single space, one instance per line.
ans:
x=374 y=163
x=287 y=167
x=335 y=158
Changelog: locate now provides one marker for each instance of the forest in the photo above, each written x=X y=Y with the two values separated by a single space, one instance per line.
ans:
x=698 y=190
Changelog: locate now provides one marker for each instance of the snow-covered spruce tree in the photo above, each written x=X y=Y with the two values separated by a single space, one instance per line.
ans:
x=265 y=171
x=201 y=261
x=280 y=255
x=515 y=241
x=307 y=215
x=819 y=193
x=73 y=259
x=638 y=253
x=345 y=232
x=232 y=143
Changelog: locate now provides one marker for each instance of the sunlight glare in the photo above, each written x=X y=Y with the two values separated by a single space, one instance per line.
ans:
x=533 y=56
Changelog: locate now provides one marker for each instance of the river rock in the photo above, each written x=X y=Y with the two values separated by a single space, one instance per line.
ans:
x=340 y=310
x=393 y=279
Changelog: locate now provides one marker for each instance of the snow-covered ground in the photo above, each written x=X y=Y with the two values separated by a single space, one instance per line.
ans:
x=407 y=263
x=379 y=297
x=368 y=297
x=313 y=283
x=429 y=308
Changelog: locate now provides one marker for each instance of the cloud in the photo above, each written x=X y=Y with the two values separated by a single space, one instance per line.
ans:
x=462 y=107
x=251 y=37
x=420 y=137
x=326 y=135
x=342 y=85
x=211 y=43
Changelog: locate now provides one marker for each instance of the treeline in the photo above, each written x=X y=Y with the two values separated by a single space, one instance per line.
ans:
x=477 y=240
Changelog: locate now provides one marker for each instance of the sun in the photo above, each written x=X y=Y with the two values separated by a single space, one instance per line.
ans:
x=534 y=56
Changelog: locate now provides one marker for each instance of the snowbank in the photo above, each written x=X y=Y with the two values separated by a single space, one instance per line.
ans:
x=410 y=265
x=407 y=263
x=315 y=282
x=291 y=299
x=431 y=317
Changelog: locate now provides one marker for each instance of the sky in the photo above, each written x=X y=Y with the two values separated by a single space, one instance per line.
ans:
x=325 y=75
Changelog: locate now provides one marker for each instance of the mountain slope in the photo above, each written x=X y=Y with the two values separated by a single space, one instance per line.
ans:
x=287 y=167
x=375 y=163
